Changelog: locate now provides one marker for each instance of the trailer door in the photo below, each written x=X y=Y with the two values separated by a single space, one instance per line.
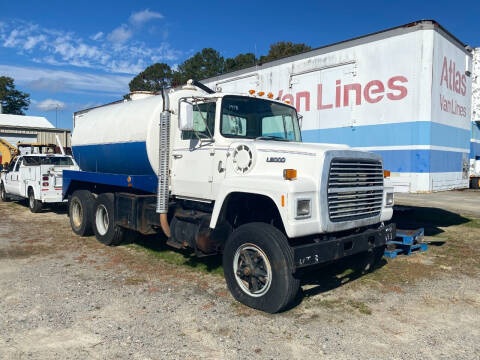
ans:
x=319 y=96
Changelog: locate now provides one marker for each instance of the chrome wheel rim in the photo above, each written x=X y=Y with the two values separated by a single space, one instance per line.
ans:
x=252 y=270
x=101 y=219
x=31 y=200
x=77 y=213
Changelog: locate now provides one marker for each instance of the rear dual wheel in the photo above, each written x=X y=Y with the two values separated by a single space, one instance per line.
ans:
x=80 y=211
x=104 y=227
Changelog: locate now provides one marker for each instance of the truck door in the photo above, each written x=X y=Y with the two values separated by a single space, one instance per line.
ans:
x=193 y=155
x=12 y=183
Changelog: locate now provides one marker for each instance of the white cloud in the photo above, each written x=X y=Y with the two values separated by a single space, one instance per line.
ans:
x=50 y=104
x=97 y=36
x=61 y=48
x=120 y=35
x=32 y=41
x=47 y=84
x=66 y=81
x=141 y=17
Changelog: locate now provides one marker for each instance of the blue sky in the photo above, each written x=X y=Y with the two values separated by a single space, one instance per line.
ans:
x=78 y=54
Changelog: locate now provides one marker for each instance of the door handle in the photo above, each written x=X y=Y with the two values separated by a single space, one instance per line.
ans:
x=177 y=156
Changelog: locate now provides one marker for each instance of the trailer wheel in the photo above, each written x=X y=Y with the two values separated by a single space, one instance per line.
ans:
x=3 y=193
x=80 y=211
x=258 y=263
x=34 y=205
x=475 y=183
x=104 y=221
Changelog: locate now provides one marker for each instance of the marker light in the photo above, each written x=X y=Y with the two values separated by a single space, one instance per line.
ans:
x=251 y=92
x=287 y=101
x=261 y=93
x=386 y=173
x=289 y=174
x=270 y=95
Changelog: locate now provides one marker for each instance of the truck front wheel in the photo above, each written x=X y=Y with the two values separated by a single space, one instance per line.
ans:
x=34 y=205
x=3 y=193
x=80 y=211
x=104 y=221
x=258 y=263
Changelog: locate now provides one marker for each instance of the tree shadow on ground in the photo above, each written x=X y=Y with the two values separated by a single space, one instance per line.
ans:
x=331 y=276
x=57 y=208
x=430 y=218
x=156 y=244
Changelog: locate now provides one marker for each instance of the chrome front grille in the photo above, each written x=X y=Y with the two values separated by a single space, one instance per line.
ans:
x=355 y=189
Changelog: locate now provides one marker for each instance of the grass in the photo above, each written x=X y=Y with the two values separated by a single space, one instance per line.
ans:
x=341 y=304
x=210 y=264
x=134 y=281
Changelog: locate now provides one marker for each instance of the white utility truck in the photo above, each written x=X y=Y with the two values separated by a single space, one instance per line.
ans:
x=36 y=177
x=227 y=174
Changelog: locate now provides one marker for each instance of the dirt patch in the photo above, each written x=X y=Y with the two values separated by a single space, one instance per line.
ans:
x=63 y=296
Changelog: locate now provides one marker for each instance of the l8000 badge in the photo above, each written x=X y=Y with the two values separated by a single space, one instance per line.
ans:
x=276 y=159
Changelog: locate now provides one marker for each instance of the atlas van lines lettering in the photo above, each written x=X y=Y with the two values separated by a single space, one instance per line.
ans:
x=452 y=80
x=372 y=92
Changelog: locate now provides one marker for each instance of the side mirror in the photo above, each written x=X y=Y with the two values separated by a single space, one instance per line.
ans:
x=185 y=116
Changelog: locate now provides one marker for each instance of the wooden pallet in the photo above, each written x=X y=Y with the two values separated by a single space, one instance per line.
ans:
x=406 y=243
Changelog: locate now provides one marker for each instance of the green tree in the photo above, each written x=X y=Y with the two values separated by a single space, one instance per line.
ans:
x=153 y=78
x=202 y=65
x=282 y=49
x=241 y=61
x=13 y=101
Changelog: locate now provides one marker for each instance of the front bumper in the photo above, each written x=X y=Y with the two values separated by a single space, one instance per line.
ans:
x=325 y=251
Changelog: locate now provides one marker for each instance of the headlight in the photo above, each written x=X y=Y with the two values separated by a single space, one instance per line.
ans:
x=303 y=208
x=389 y=199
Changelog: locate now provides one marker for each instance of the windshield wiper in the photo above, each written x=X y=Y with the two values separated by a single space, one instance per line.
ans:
x=271 y=137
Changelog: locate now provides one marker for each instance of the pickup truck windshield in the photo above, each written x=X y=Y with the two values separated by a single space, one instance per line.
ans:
x=49 y=160
x=258 y=118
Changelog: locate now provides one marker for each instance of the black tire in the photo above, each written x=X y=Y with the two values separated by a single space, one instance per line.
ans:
x=253 y=239
x=34 y=205
x=80 y=212
x=103 y=221
x=369 y=261
x=3 y=193
x=475 y=183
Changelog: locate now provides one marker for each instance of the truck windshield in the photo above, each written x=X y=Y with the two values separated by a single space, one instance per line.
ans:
x=48 y=160
x=253 y=118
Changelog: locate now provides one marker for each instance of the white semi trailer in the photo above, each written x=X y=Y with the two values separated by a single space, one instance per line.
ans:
x=475 y=141
x=403 y=93
x=228 y=174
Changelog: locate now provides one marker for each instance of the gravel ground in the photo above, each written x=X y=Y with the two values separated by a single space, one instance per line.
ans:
x=66 y=297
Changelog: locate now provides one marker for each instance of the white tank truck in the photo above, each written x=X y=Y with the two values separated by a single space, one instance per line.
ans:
x=227 y=174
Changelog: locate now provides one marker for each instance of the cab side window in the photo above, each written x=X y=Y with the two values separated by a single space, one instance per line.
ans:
x=203 y=118
x=17 y=167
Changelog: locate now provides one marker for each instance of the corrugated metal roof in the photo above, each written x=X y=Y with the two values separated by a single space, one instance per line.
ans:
x=22 y=120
